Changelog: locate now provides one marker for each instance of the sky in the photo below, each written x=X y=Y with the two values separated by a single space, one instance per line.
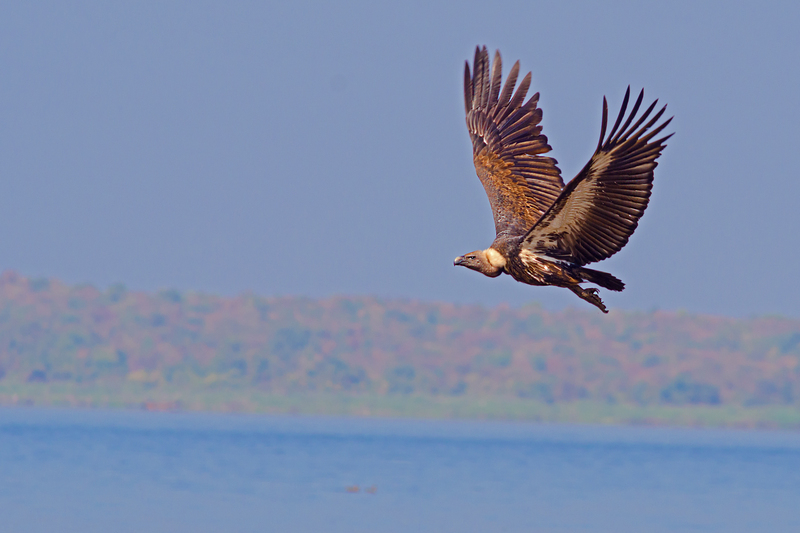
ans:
x=317 y=149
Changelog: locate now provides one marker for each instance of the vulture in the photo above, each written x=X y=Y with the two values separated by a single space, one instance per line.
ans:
x=547 y=232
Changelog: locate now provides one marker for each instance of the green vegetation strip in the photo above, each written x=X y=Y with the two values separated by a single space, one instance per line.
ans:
x=228 y=399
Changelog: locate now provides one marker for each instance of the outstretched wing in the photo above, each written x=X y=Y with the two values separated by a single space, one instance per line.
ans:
x=599 y=210
x=507 y=144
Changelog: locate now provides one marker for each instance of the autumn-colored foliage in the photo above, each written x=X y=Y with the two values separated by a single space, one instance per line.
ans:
x=52 y=332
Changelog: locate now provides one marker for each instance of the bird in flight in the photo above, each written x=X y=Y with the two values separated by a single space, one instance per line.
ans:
x=547 y=232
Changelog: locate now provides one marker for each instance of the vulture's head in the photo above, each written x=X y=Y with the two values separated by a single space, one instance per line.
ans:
x=488 y=262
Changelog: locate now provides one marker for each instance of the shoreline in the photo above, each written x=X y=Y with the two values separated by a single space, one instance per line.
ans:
x=416 y=406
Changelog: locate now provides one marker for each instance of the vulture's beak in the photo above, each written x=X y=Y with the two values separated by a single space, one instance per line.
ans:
x=458 y=260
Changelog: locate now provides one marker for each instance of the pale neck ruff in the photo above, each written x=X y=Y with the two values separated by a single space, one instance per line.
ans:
x=495 y=258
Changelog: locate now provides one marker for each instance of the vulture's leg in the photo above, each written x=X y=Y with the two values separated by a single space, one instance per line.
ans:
x=590 y=295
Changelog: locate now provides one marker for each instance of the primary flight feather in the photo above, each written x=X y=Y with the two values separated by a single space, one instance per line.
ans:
x=547 y=232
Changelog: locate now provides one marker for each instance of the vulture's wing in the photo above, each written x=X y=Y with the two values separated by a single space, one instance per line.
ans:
x=507 y=144
x=599 y=210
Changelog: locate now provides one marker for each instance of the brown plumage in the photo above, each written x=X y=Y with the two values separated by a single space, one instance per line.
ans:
x=546 y=232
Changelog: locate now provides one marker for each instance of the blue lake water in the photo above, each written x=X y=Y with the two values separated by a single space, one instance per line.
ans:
x=104 y=471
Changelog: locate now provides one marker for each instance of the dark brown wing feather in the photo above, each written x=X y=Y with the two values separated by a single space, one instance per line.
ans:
x=507 y=145
x=599 y=210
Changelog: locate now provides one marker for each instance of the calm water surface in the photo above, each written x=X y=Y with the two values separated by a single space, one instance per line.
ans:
x=103 y=471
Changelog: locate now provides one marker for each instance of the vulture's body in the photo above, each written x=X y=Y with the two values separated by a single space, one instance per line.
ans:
x=547 y=232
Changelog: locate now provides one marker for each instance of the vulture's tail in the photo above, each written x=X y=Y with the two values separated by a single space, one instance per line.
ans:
x=604 y=279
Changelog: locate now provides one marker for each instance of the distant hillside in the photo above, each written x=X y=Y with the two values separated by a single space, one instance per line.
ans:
x=52 y=333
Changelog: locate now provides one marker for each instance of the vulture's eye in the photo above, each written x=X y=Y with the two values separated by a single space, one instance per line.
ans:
x=470 y=257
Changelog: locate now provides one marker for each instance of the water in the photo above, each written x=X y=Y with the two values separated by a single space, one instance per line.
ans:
x=102 y=471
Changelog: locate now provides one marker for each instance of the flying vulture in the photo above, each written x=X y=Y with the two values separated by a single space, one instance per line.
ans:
x=547 y=232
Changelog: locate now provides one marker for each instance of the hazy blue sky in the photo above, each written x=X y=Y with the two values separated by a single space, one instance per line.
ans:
x=320 y=148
